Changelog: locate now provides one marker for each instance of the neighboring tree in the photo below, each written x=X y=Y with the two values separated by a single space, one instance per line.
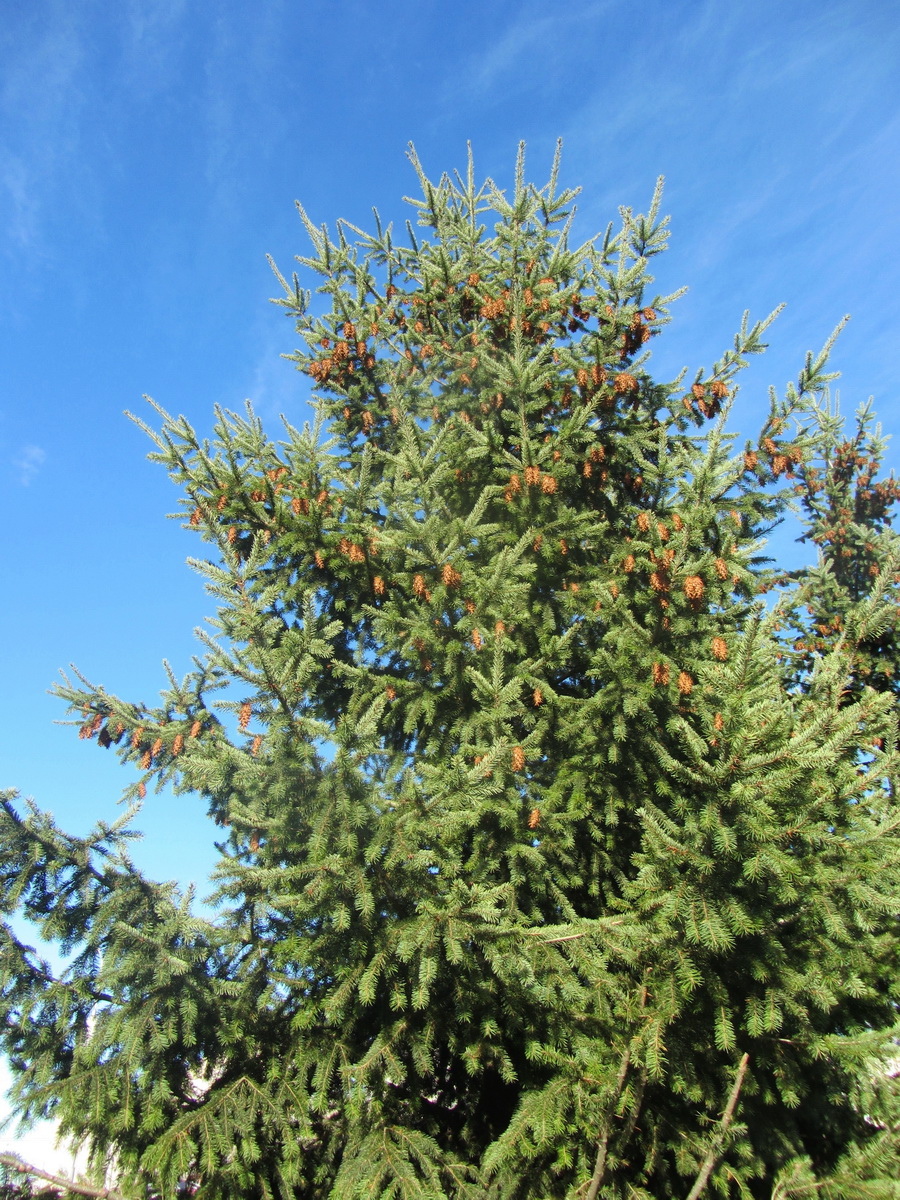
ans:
x=847 y=511
x=549 y=870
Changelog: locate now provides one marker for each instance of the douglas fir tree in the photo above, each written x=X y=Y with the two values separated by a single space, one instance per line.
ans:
x=551 y=868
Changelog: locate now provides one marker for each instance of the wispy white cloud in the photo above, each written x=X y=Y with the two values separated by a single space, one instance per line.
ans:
x=21 y=205
x=525 y=50
x=28 y=462
x=40 y=103
x=237 y=99
x=498 y=60
x=154 y=50
x=53 y=148
x=275 y=385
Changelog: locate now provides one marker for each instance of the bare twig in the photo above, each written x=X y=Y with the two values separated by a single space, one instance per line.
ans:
x=718 y=1141
x=66 y=1185
x=569 y=937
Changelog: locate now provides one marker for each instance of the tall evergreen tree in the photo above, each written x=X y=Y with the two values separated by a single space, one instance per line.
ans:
x=544 y=873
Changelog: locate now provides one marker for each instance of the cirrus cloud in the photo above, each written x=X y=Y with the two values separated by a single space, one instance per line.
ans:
x=28 y=462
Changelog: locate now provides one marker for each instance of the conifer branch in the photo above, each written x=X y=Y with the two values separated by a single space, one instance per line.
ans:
x=602 y=1148
x=66 y=1185
x=719 y=1140
x=600 y=1162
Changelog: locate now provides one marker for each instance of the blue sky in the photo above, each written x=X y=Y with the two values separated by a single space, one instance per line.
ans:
x=150 y=154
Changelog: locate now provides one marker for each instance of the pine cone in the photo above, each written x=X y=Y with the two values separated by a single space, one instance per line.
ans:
x=624 y=383
x=693 y=587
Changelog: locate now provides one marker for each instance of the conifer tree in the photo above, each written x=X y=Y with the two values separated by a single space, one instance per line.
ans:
x=847 y=512
x=544 y=871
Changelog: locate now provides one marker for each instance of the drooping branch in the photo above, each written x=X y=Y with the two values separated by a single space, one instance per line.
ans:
x=603 y=1144
x=716 y=1148
x=67 y=1185
x=606 y=1129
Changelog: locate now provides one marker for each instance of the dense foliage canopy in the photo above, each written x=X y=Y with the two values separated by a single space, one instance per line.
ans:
x=561 y=856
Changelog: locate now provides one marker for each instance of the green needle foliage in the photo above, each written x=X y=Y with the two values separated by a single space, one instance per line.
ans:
x=847 y=509
x=550 y=867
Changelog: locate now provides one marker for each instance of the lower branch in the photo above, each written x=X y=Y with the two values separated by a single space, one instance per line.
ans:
x=600 y=1163
x=716 y=1148
x=603 y=1144
x=66 y=1185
